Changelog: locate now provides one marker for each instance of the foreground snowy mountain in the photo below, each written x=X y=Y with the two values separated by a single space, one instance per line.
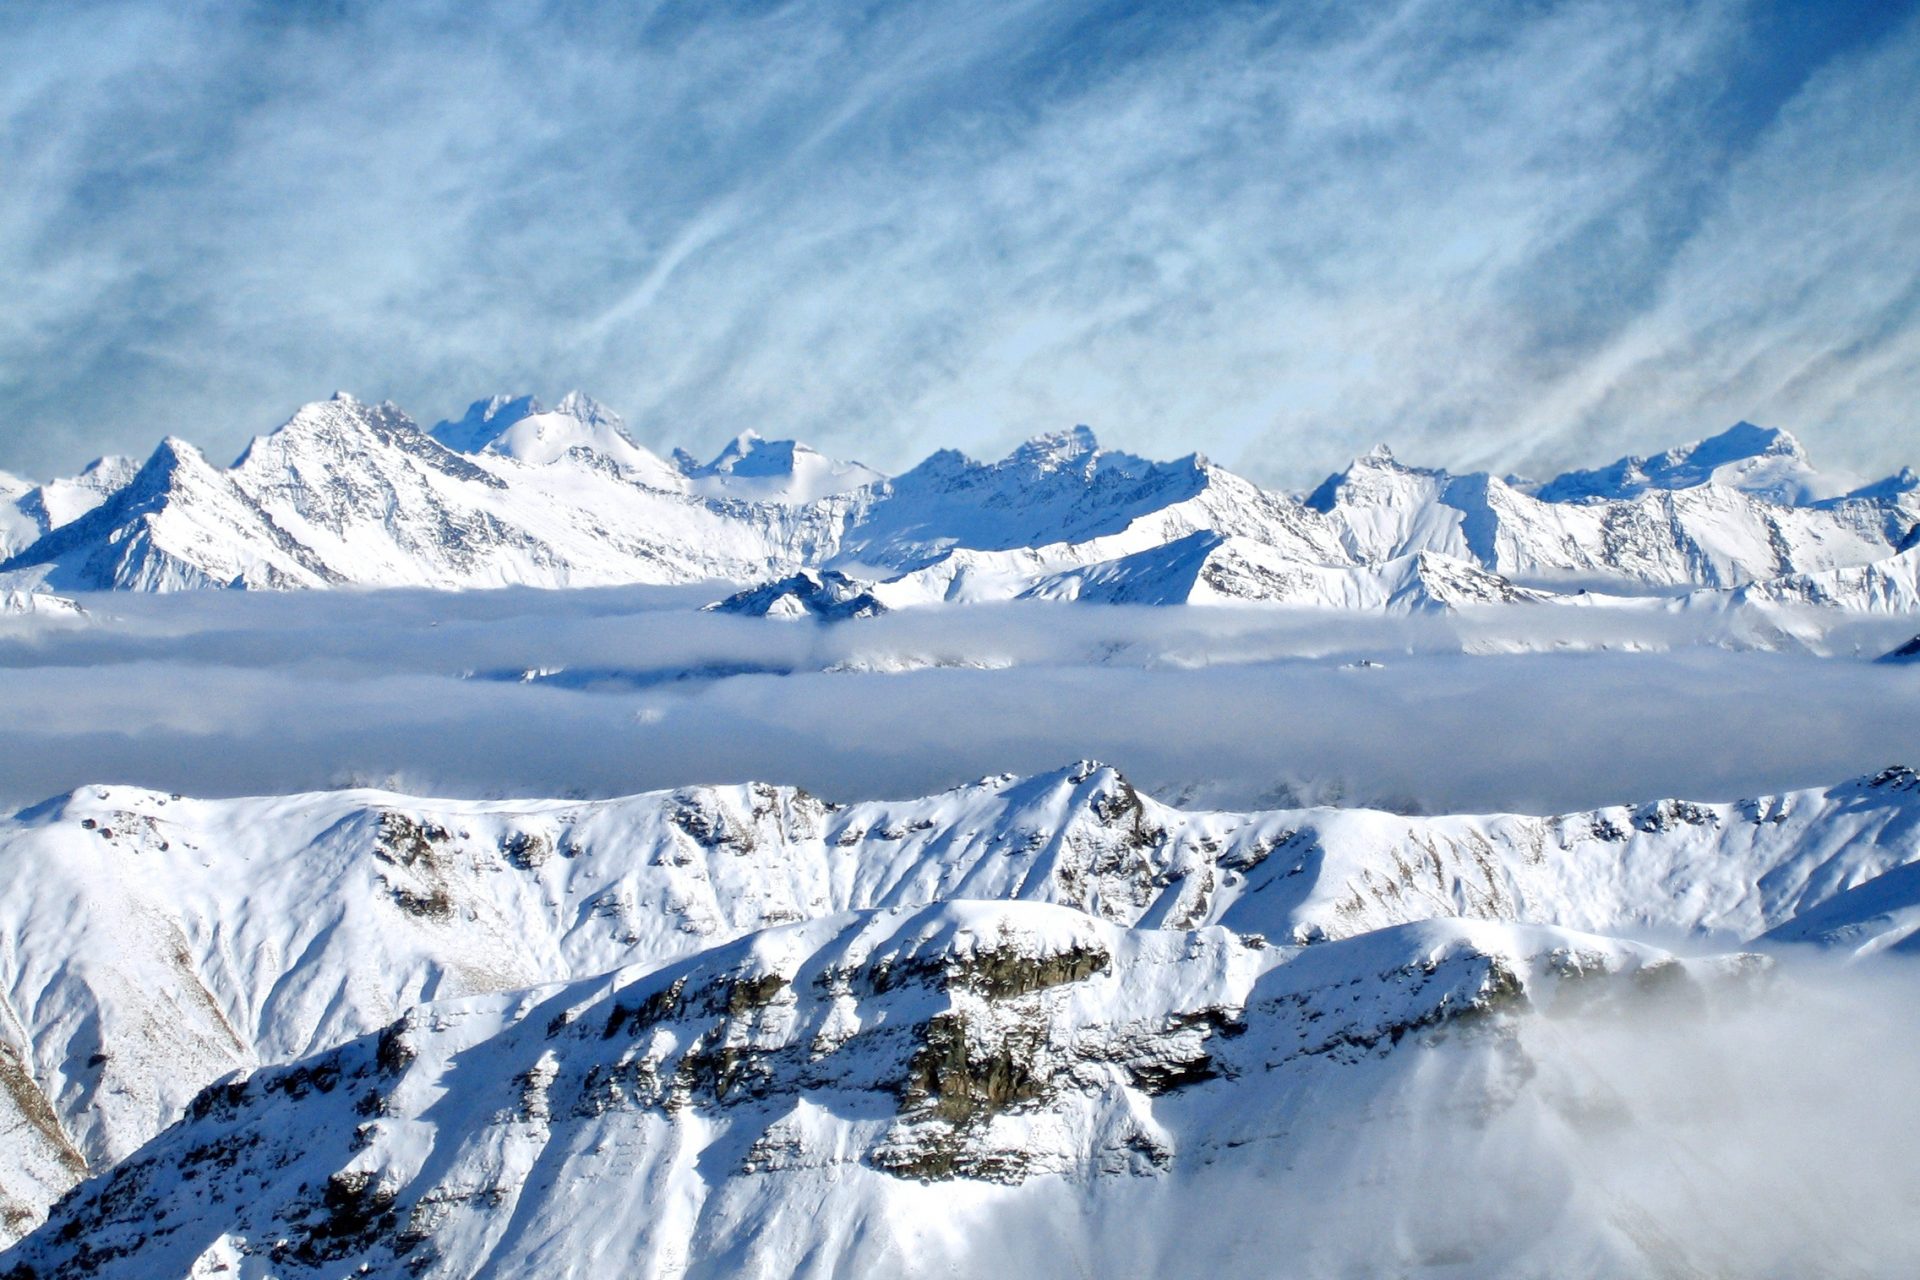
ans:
x=200 y=937
x=511 y=493
x=799 y=1103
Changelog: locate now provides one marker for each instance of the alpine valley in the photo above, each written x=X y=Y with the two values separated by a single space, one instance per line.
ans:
x=1039 y=1023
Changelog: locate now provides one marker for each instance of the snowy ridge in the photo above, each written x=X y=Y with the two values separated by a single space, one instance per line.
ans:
x=1707 y=535
x=179 y=524
x=513 y=494
x=1766 y=462
x=40 y=604
x=210 y=936
x=1890 y=585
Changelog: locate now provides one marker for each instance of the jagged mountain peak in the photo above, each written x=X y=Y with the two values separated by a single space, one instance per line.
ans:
x=1056 y=449
x=582 y=407
x=1891 y=488
x=340 y=418
x=179 y=523
x=343 y=441
x=847 y=1064
x=355 y=904
x=578 y=428
x=826 y=595
x=1741 y=440
x=484 y=420
x=359 y=488
x=1056 y=461
x=172 y=451
x=752 y=454
x=1372 y=477
x=169 y=459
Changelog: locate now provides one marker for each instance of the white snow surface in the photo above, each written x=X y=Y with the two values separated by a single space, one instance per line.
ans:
x=28 y=511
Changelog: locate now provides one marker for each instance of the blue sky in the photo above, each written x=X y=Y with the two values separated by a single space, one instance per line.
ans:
x=1522 y=236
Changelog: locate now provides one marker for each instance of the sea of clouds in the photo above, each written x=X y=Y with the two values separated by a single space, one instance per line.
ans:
x=607 y=692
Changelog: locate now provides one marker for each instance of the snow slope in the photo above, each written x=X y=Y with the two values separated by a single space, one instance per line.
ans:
x=27 y=510
x=179 y=524
x=352 y=493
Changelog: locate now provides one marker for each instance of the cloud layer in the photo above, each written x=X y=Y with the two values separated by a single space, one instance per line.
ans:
x=234 y=693
x=1523 y=236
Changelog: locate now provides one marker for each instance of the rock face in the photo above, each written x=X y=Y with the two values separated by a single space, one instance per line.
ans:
x=514 y=494
x=206 y=937
x=1908 y=652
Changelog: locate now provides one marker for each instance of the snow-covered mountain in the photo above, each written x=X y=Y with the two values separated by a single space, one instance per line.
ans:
x=822 y=594
x=1763 y=461
x=40 y=604
x=150 y=944
x=28 y=511
x=1707 y=534
x=799 y=1102
x=579 y=429
x=511 y=493
x=181 y=523
x=754 y=469
x=351 y=493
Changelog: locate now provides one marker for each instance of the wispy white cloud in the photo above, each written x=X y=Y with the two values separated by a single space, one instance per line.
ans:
x=1505 y=235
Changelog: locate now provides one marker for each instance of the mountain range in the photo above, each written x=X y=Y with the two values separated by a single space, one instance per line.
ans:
x=311 y=1032
x=511 y=493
